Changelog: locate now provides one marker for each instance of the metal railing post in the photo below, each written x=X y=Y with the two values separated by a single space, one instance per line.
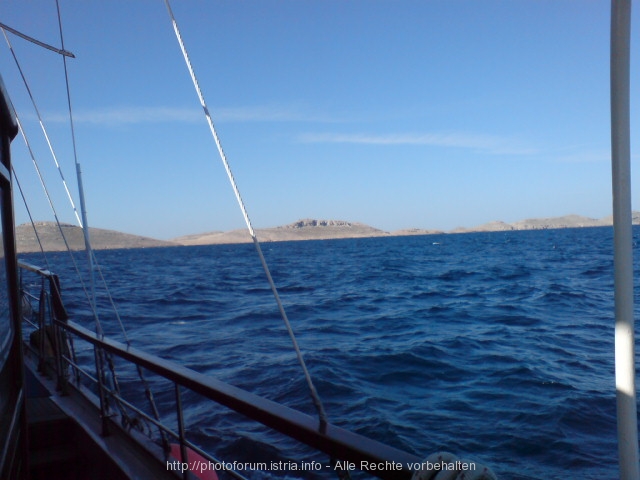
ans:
x=104 y=409
x=58 y=345
x=41 y=328
x=183 y=447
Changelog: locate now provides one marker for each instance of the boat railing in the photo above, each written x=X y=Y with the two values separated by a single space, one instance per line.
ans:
x=45 y=313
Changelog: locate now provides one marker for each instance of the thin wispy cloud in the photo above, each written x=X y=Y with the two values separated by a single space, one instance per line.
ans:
x=140 y=115
x=586 y=156
x=486 y=143
x=273 y=114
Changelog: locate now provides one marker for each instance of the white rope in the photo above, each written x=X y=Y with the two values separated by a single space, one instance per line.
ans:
x=99 y=330
x=83 y=210
x=44 y=130
x=81 y=224
x=314 y=393
x=91 y=258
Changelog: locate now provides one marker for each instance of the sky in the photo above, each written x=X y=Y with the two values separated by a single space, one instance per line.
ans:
x=399 y=114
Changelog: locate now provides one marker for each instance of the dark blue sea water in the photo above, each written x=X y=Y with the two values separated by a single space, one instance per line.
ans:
x=497 y=347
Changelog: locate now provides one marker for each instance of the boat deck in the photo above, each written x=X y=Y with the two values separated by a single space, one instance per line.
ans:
x=65 y=440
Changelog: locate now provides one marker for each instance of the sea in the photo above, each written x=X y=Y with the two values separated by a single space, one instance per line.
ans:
x=497 y=347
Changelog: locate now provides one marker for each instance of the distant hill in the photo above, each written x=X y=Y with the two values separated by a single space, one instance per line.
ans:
x=101 y=239
x=312 y=229
x=306 y=229
x=566 y=221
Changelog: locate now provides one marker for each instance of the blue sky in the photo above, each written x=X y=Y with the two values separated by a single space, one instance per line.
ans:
x=398 y=114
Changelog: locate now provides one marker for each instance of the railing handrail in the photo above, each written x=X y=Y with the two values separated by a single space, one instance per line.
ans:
x=54 y=288
x=35 y=269
x=335 y=441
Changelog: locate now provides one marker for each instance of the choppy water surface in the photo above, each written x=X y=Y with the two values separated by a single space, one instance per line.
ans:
x=495 y=346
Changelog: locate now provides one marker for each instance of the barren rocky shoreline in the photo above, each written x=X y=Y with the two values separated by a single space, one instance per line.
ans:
x=51 y=237
x=306 y=229
x=311 y=229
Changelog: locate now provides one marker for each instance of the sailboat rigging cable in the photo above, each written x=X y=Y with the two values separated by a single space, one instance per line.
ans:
x=55 y=213
x=62 y=51
x=59 y=168
x=84 y=224
x=44 y=130
x=83 y=210
x=314 y=394
x=91 y=259
x=26 y=205
x=99 y=330
x=111 y=379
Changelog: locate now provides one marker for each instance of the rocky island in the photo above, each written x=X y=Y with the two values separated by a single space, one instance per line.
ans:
x=51 y=237
x=306 y=229
x=52 y=240
x=566 y=221
x=312 y=229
